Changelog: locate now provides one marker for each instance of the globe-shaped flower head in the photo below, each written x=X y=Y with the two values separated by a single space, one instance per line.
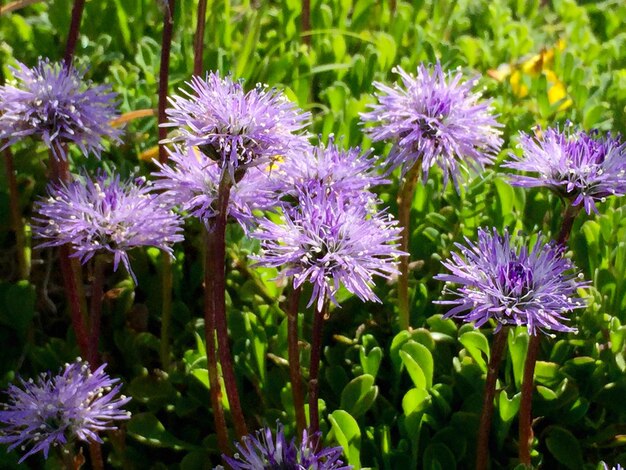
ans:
x=263 y=451
x=434 y=119
x=190 y=180
x=234 y=127
x=501 y=279
x=106 y=216
x=53 y=411
x=55 y=103
x=329 y=243
x=583 y=167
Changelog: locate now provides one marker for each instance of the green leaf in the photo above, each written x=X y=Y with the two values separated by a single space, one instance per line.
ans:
x=370 y=362
x=359 y=395
x=437 y=456
x=419 y=364
x=565 y=447
x=19 y=305
x=414 y=401
x=508 y=408
x=348 y=435
x=147 y=429
x=477 y=346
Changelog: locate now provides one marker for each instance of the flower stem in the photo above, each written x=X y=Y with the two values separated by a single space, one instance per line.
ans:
x=218 y=304
x=17 y=223
x=211 y=348
x=306 y=21
x=198 y=40
x=95 y=453
x=97 y=294
x=316 y=356
x=294 y=359
x=405 y=200
x=166 y=262
x=525 y=410
x=72 y=37
x=497 y=352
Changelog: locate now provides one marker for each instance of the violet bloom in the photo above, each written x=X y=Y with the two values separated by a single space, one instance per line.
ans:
x=190 y=180
x=106 y=216
x=434 y=119
x=617 y=467
x=56 y=104
x=329 y=244
x=237 y=128
x=586 y=168
x=501 y=279
x=54 y=411
x=348 y=172
x=263 y=451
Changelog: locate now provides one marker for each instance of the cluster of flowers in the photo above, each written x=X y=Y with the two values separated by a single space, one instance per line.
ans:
x=326 y=229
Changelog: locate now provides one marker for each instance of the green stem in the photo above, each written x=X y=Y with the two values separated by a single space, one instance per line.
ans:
x=497 y=352
x=294 y=360
x=17 y=223
x=525 y=410
x=405 y=201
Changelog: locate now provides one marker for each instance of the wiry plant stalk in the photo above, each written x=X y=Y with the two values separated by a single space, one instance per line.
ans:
x=95 y=313
x=198 y=40
x=497 y=352
x=405 y=201
x=314 y=369
x=166 y=262
x=294 y=359
x=525 y=410
x=72 y=37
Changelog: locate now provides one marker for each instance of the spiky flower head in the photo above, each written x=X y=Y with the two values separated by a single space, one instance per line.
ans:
x=234 y=127
x=584 y=167
x=191 y=181
x=328 y=243
x=106 y=216
x=266 y=451
x=434 y=118
x=348 y=172
x=501 y=279
x=55 y=410
x=617 y=467
x=55 y=103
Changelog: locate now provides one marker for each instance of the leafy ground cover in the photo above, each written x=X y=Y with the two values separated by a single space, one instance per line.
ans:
x=392 y=397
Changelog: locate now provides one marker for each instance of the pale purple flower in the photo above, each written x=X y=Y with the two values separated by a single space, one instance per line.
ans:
x=584 y=167
x=501 y=279
x=266 y=451
x=55 y=410
x=56 y=104
x=434 y=118
x=234 y=127
x=617 y=467
x=328 y=243
x=106 y=216
x=190 y=180
x=348 y=172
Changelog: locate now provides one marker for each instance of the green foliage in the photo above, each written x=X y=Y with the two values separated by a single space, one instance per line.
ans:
x=392 y=399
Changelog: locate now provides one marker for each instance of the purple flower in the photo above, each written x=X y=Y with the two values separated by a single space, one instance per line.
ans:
x=106 y=216
x=263 y=451
x=75 y=404
x=617 y=467
x=342 y=171
x=586 y=168
x=434 y=119
x=56 y=104
x=234 y=127
x=501 y=279
x=192 y=183
x=329 y=243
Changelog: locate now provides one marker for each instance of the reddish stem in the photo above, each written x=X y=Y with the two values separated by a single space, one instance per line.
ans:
x=294 y=360
x=72 y=37
x=211 y=348
x=198 y=40
x=306 y=21
x=218 y=304
x=97 y=294
x=525 y=410
x=316 y=356
x=164 y=71
x=497 y=352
